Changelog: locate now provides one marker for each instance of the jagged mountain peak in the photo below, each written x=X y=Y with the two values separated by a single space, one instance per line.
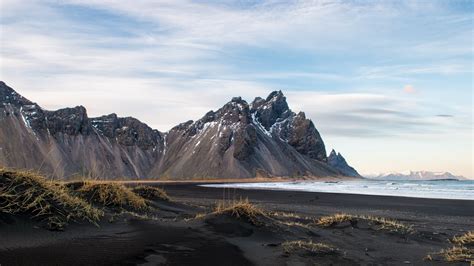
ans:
x=6 y=90
x=72 y=111
x=223 y=124
x=337 y=161
x=276 y=96
x=10 y=96
x=275 y=118
x=106 y=118
x=71 y=121
x=301 y=114
x=127 y=131
x=336 y=154
x=258 y=99
x=238 y=100
x=237 y=104
x=277 y=101
x=268 y=112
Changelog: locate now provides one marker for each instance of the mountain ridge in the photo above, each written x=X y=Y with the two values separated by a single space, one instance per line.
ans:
x=416 y=175
x=239 y=140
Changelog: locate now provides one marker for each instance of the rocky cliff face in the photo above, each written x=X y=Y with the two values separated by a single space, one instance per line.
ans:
x=67 y=143
x=338 y=162
x=276 y=119
x=242 y=140
x=263 y=138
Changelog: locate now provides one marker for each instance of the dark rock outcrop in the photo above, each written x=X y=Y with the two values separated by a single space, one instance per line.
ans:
x=264 y=138
x=338 y=162
x=71 y=121
x=274 y=115
x=127 y=131
x=8 y=96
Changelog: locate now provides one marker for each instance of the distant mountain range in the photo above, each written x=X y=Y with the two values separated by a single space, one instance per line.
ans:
x=240 y=140
x=416 y=175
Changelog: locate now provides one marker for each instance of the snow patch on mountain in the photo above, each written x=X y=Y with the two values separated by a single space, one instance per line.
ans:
x=414 y=175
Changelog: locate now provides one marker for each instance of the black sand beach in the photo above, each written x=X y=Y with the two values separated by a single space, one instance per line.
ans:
x=172 y=236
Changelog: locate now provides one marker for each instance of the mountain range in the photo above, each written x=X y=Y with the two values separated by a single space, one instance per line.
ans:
x=415 y=175
x=263 y=138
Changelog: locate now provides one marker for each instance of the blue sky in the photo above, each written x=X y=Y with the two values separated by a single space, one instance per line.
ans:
x=387 y=83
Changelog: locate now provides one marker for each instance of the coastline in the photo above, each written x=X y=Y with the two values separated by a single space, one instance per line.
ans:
x=459 y=190
x=335 y=202
x=247 y=181
x=221 y=180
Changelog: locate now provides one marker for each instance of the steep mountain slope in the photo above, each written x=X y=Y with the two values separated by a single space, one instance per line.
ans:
x=66 y=142
x=264 y=138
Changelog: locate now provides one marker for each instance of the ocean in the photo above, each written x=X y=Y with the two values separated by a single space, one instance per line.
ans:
x=440 y=189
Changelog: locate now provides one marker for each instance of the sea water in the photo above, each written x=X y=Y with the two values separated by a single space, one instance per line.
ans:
x=440 y=189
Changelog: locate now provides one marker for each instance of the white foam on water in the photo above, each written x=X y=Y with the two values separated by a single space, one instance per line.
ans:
x=448 y=189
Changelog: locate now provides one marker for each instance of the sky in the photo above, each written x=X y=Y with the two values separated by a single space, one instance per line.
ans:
x=389 y=84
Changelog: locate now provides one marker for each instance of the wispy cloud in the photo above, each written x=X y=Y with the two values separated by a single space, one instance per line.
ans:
x=345 y=63
x=368 y=115
x=410 y=71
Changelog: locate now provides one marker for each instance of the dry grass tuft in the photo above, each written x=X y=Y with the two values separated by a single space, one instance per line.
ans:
x=291 y=219
x=241 y=209
x=28 y=193
x=462 y=250
x=389 y=225
x=285 y=215
x=112 y=195
x=308 y=247
x=200 y=215
x=381 y=223
x=294 y=224
x=457 y=254
x=151 y=193
x=332 y=220
x=467 y=239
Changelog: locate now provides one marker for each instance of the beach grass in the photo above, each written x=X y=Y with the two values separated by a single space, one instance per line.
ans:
x=308 y=247
x=335 y=219
x=465 y=239
x=390 y=225
x=241 y=209
x=112 y=195
x=461 y=251
x=381 y=223
x=457 y=254
x=151 y=193
x=31 y=194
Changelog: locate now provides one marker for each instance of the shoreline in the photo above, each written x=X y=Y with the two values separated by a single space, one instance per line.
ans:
x=211 y=182
x=330 y=192
x=334 y=200
x=218 y=180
